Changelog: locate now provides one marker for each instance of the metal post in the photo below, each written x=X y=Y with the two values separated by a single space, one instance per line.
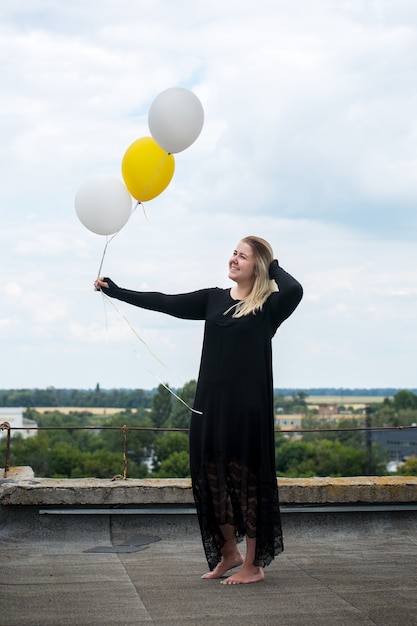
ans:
x=124 y=429
x=6 y=426
x=368 y=441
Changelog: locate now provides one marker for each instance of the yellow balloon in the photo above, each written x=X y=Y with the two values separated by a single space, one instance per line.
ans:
x=147 y=169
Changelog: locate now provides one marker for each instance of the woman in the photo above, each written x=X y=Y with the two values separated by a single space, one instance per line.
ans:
x=232 y=449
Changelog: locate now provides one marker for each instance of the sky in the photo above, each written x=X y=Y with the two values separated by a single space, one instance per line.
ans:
x=309 y=140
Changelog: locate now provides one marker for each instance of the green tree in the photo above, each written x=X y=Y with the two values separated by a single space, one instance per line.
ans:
x=64 y=458
x=71 y=451
x=409 y=467
x=332 y=458
x=296 y=403
x=322 y=458
x=139 y=443
x=405 y=400
x=388 y=415
x=293 y=459
x=33 y=451
x=181 y=414
x=166 y=445
x=161 y=406
x=329 y=431
x=177 y=465
x=99 y=464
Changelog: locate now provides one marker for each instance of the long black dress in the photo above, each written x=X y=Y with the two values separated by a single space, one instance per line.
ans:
x=232 y=450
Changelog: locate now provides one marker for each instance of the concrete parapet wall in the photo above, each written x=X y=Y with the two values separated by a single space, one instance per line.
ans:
x=349 y=490
x=24 y=490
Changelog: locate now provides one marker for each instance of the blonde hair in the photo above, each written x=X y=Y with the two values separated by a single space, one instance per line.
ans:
x=263 y=286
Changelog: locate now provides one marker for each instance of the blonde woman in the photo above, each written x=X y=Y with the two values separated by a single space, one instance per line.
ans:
x=232 y=451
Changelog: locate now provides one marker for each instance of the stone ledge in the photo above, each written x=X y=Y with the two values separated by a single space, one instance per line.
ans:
x=15 y=491
x=349 y=490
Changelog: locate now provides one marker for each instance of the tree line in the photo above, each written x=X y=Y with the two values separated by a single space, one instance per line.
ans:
x=90 y=398
x=133 y=398
x=62 y=448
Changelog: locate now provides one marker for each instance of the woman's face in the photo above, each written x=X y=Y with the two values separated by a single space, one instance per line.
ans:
x=242 y=264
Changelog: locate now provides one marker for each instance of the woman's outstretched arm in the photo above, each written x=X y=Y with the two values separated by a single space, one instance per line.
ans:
x=185 y=306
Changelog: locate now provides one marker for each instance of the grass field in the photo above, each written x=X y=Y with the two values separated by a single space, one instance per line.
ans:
x=345 y=400
x=80 y=409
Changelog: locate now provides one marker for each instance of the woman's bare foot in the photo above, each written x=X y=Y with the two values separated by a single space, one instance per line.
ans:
x=225 y=564
x=248 y=574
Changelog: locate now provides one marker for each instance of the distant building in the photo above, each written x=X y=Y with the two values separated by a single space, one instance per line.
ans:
x=14 y=416
x=290 y=422
x=400 y=444
x=328 y=410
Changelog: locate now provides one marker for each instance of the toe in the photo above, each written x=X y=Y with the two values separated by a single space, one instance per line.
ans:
x=229 y=581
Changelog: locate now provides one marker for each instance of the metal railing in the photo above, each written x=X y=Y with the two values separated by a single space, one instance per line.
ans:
x=123 y=429
x=5 y=426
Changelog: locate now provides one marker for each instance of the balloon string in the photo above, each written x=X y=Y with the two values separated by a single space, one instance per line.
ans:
x=133 y=329
x=143 y=209
x=158 y=169
x=111 y=239
x=104 y=254
x=106 y=322
x=174 y=394
x=137 y=204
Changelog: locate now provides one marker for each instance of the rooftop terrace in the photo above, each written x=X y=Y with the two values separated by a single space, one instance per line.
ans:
x=78 y=552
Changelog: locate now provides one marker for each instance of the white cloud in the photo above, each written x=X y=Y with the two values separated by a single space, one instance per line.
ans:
x=309 y=140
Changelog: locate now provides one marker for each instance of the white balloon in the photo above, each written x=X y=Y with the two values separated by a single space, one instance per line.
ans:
x=103 y=204
x=175 y=119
